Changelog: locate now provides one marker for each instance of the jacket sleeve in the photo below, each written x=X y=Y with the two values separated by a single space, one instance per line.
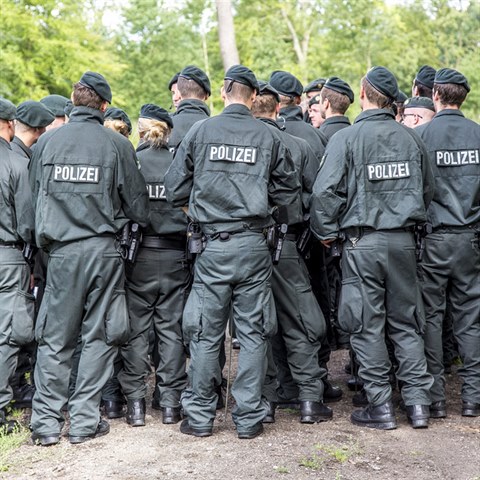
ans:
x=329 y=195
x=309 y=174
x=179 y=177
x=284 y=187
x=25 y=217
x=132 y=188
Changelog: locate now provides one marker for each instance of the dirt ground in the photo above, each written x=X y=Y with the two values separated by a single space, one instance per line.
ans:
x=448 y=450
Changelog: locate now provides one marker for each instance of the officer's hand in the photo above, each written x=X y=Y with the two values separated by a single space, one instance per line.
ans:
x=326 y=243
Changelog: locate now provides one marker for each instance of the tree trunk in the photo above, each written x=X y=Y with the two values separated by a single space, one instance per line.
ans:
x=226 y=34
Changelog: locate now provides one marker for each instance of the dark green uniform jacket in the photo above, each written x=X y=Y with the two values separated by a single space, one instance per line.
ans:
x=333 y=125
x=189 y=112
x=16 y=217
x=88 y=182
x=237 y=183
x=21 y=149
x=292 y=119
x=164 y=219
x=305 y=162
x=453 y=145
x=384 y=168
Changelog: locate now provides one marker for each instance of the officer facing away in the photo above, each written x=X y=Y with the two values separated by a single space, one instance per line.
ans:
x=374 y=186
x=451 y=260
x=86 y=187
x=16 y=229
x=236 y=175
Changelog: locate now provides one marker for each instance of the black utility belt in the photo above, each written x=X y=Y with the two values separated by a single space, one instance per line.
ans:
x=357 y=232
x=291 y=236
x=459 y=229
x=225 y=236
x=18 y=246
x=177 y=243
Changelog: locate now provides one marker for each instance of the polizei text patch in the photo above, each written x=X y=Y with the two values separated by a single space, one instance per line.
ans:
x=76 y=173
x=388 y=171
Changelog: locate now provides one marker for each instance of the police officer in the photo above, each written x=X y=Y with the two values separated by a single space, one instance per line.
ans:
x=32 y=120
x=301 y=324
x=193 y=86
x=173 y=89
x=417 y=111
x=157 y=283
x=16 y=230
x=335 y=98
x=235 y=174
x=290 y=117
x=56 y=104
x=451 y=262
x=86 y=187
x=118 y=120
x=374 y=186
x=423 y=82
x=312 y=90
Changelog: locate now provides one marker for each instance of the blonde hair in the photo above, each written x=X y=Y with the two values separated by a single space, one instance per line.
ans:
x=117 y=126
x=154 y=132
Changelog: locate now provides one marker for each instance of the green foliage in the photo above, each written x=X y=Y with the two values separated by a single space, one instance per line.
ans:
x=330 y=454
x=46 y=45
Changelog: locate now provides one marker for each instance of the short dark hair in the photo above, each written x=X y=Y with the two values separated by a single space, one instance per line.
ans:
x=338 y=102
x=86 y=97
x=423 y=90
x=237 y=90
x=374 y=96
x=190 y=89
x=451 y=93
x=287 y=101
x=264 y=105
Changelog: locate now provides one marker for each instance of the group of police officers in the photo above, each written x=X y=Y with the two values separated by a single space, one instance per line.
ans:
x=276 y=215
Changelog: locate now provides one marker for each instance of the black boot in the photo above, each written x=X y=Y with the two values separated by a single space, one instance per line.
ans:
x=470 y=409
x=7 y=426
x=438 y=409
x=270 y=415
x=418 y=415
x=331 y=393
x=171 y=415
x=113 y=408
x=136 y=412
x=360 y=399
x=23 y=396
x=381 y=417
x=313 y=412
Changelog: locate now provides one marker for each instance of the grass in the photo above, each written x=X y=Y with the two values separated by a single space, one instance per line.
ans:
x=282 y=470
x=9 y=443
x=336 y=454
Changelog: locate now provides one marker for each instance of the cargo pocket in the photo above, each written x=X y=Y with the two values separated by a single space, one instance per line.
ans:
x=117 y=322
x=22 y=319
x=420 y=318
x=269 y=313
x=350 y=309
x=310 y=314
x=192 y=314
x=42 y=317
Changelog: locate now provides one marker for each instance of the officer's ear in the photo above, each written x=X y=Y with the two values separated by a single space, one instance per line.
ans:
x=104 y=106
x=277 y=109
x=222 y=94
x=298 y=100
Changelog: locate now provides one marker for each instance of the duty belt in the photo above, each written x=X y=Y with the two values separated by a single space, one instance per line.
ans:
x=357 y=232
x=172 y=243
x=17 y=245
x=225 y=236
x=457 y=229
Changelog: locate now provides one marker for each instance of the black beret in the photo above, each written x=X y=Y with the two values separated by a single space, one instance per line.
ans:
x=191 y=72
x=338 y=85
x=56 y=104
x=315 y=100
x=425 y=76
x=401 y=97
x=8 y=111
x=384 y=81
x=156 y=113
x=286 y=83
x=97 y=82
x=113 y=113
x=419 y=102
x=68 y=108
x=243 y=75
x=315 y=86
x=34 y=114
x=267 y=89
x=173 y=81
x=448 y=75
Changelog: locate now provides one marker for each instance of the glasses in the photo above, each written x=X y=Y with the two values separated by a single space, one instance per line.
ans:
x=412 y=115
